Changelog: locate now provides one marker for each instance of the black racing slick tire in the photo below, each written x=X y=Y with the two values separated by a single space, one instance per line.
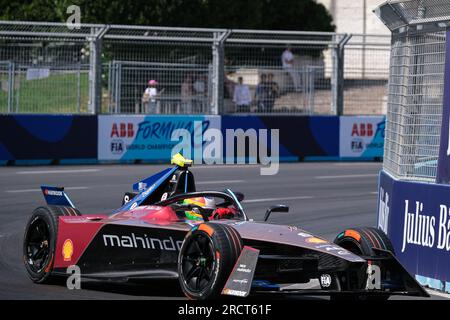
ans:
x=206 y=259
x=39 y=241
x=361 y=242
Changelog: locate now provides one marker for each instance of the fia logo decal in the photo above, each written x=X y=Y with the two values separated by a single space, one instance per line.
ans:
x=325 y=280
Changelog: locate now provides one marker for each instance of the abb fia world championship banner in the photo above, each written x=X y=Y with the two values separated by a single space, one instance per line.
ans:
x=361 y=137
x=146 y=137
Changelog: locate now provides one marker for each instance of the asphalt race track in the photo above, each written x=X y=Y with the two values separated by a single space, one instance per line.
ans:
x=325 y=198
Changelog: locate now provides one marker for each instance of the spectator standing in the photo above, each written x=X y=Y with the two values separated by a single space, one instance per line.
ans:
x=273 y=91
x=199 y=87
x=287 y=59
x=186 y=95
x=261 y=94
x=229 y=86
x=242 y=97
x=149 y=99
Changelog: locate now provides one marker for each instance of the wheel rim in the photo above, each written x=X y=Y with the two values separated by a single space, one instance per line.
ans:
x=38 y=245
x=198 y=263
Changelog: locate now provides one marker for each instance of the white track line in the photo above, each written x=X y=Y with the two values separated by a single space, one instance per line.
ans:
x=347 y=176
x=277 y=199
x=57 y=171
x=39 y=190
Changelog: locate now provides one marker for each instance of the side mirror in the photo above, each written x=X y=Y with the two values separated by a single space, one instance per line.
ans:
x=240 y=196
x=278 y=208
x=237 y=194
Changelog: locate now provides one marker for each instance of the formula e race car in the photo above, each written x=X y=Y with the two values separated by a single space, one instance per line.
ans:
x=167 y=230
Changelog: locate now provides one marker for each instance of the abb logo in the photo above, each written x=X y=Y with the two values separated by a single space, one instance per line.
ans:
x=362 y=130
x=122 y=130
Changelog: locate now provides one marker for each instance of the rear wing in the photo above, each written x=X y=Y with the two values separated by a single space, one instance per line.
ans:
x=55 y=196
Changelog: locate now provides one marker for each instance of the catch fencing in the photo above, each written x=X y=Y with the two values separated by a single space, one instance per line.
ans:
x=416 y=86
x=104 y=69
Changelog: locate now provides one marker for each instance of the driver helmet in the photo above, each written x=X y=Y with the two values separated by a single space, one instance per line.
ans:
x=206 y=203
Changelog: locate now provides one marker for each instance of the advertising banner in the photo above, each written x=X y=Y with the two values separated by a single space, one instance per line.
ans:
x=47 y=137
x=443 y=170
x=416 y=217
x=147 y=137
x=361 y=137
x=299 y=137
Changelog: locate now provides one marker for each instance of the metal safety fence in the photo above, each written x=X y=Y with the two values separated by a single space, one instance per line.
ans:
x=366 y=74
x=49 y=68
x=416 y=86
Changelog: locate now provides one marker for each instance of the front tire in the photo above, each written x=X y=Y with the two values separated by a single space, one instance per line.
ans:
x=39 y=241
x=361 y=242
x=206 y=259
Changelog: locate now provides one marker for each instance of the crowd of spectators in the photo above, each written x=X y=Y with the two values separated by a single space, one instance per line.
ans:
x=195 y=91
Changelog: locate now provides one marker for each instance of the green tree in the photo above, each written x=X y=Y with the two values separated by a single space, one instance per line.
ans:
x=255 y=14
x=296 y=15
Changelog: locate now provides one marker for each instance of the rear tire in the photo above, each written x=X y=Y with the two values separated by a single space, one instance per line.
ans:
x=206 y=259
x=39 y=241
x=360 y=241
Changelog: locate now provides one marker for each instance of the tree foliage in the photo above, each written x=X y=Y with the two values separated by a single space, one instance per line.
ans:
x=255 y=14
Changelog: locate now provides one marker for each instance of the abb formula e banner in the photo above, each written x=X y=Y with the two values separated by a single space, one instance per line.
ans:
x=416 y=217
x=361 y=137
x=146 y=137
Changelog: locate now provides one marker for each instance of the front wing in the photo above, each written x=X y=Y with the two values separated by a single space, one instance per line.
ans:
x=382 y=275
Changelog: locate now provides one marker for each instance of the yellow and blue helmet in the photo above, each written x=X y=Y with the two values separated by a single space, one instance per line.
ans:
x=202 y=202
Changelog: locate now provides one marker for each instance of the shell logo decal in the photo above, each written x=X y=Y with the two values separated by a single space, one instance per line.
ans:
x=315 y=240
x=67 y=250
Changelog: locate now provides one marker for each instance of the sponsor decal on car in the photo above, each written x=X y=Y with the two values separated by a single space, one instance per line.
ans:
x=243 y=268
x=325 y=280
x=142 y=242
x=304 y=235
x=334 y=248
x=315 y=240
x=237 y=293
x=240 y=280
x=67 y=250
x=55 y=193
